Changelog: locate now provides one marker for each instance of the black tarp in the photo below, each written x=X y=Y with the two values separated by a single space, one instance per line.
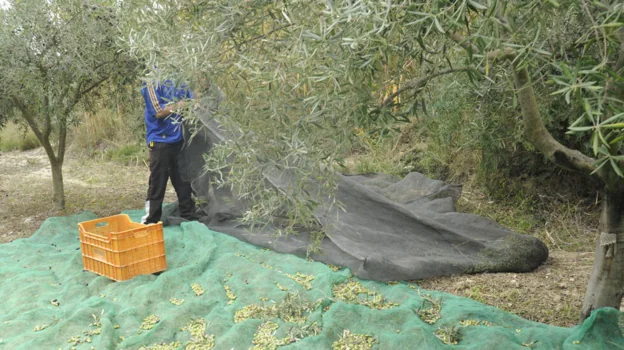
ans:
x=387 y=229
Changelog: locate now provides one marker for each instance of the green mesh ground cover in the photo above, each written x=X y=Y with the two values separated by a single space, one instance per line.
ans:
x=248 y=298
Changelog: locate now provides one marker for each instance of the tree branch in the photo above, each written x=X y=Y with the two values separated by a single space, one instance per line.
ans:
x=262 y=36
x=499 y=54
x=536 y=133
x=81 y=92
x=63 y=118
x=619 y=65
x=62 y=139
x=47 y=126
x=598 y=33
x=502 y=54
x=461 y=41
x=33 y=126
x=534 y=129
x=419 y=83
x=25 y=114
x=46 y=105
x=92 y=86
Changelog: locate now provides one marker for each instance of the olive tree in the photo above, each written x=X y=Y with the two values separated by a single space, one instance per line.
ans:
x=53 y=55
x=303 y=75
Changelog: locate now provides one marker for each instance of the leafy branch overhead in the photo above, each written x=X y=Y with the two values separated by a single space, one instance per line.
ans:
x=306 y=76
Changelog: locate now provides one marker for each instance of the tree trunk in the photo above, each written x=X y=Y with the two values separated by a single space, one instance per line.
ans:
x=57 y=182
x=606 y=284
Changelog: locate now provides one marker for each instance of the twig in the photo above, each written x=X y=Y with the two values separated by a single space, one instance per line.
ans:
x=591 y=18
x=419 y=83
x=265 y=35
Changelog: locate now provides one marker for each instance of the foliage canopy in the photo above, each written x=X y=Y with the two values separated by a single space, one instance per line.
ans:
x=306 y=76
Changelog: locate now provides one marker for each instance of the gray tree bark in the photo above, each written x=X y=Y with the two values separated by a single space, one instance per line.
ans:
x=57 y=183
x=606 y=283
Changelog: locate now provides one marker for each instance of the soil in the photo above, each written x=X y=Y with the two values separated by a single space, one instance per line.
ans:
x=102 y=187
x=552 y=294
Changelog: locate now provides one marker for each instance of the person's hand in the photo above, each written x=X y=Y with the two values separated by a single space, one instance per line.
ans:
x=173 y=108
x=170 y=107
x=181 y=105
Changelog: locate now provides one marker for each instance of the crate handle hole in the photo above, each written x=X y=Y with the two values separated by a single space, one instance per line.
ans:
x=141 y=234
x=101 y=224
x=99 y=253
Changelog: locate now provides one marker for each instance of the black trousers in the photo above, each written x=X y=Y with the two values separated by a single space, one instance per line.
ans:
x=166 y=161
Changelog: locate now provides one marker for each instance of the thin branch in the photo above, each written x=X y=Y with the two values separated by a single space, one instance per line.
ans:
x=102 y=64
x=619 y=65
x=262 y=36
x=56 y=34
x=419 y=83
x=502 y=54
x=47 y=128
x=81 y=92
x=503 y=20
x=597 y=32
x=463 y=42
x=92 y=86
x=499 y=54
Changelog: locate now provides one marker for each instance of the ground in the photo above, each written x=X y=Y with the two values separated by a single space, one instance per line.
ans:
x=91 y=184
x=552 y=294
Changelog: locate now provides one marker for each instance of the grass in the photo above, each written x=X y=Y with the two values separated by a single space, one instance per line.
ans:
x=105 y=134
x=101 y=130
x=109 y=135
x=565 y=223
x=375 y=156
x=131 y=154
x=14 y=137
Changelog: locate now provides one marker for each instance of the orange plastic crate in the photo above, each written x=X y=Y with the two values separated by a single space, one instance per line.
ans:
x=120 y=249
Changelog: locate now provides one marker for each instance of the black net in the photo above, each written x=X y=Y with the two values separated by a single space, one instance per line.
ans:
x=387 y=229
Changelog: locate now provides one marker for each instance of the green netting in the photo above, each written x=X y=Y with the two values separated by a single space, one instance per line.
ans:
x=251 y=298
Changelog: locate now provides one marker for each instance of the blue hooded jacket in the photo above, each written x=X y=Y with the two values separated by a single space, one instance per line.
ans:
x=169 y=129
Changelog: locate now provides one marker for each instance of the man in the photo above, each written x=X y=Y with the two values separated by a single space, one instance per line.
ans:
x=165 y=141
